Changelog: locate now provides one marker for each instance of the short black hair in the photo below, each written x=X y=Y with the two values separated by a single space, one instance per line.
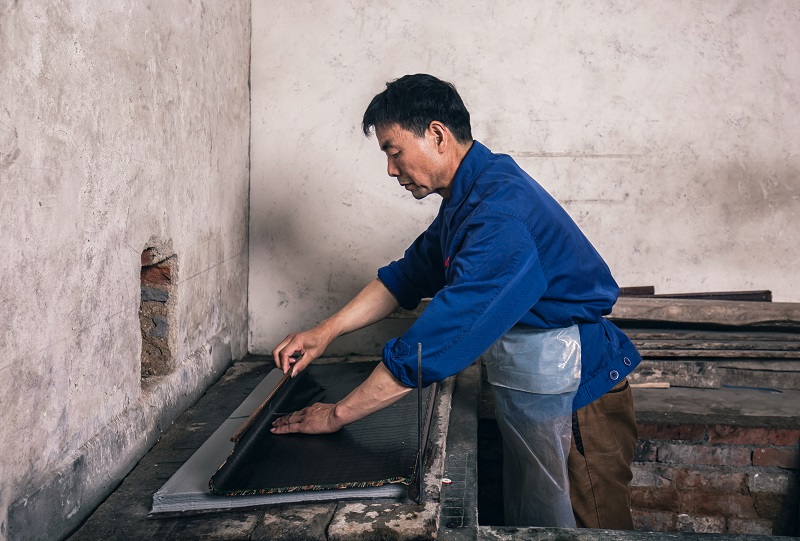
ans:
x=413 y=102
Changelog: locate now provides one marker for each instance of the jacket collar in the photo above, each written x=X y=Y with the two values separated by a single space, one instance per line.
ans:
x=471 y=166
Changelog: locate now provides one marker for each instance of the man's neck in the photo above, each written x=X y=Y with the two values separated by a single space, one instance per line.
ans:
x=460 y=152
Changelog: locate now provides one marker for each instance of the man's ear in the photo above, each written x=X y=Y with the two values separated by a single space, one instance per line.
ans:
x=441 y=135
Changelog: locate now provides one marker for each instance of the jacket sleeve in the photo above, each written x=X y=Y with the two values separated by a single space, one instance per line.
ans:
x=495 y=277
x=420 y=273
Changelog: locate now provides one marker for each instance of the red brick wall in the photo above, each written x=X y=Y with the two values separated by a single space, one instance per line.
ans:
x=716 y=478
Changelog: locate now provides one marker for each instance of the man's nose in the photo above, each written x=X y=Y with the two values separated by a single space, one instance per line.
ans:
x=392 y=169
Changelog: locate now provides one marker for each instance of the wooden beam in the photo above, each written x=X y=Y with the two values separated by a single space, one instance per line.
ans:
x=637 y=291
x=750 y=296
x=708 y=312
x=711 y=354
x=731 y=345
x=735 y=335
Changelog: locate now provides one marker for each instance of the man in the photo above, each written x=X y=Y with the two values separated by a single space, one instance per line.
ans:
x=511 y=277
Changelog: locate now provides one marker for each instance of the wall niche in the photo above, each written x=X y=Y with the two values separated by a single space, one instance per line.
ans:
x=156 y=312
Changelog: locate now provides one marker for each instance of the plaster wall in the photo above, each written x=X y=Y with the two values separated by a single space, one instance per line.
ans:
x=666 y=129
x=123 y=125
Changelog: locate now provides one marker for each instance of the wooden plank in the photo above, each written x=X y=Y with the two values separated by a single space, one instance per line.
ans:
x=747 y=296
x=759 y=378
x=707 y=312
x=681 y=373
x=651 y=385
x=636 y=291
x=727 y=345
x=710 y=335
x=710 y=374
x=717 y=353
x=786 y=365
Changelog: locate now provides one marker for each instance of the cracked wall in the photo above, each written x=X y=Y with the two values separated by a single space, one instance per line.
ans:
x=123 y=126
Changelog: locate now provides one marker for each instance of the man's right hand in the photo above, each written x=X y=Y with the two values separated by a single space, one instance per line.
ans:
x=297 y=350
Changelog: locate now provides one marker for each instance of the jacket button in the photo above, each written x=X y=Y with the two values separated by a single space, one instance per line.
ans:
x=614 y=375
x=626 y=361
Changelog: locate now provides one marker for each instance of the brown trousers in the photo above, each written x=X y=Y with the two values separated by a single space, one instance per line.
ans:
x=604 y=438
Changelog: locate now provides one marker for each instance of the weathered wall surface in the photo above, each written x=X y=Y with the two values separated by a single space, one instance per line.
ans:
x=667 y=129
x=122 y=126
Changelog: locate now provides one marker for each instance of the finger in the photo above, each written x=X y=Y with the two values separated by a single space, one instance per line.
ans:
x=289 y=423
x=276 y=352
x=307 y=357
x=292 y=418
x=285 y=429
x=295 y=359
x=289 y=354
x=283 y=421
x=301 y=362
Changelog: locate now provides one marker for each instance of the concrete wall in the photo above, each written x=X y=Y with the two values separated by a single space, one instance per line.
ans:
x=667 y=130
x=123 y=125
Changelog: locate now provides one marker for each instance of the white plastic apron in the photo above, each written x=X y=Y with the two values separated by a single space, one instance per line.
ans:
x=535 y=374
x=543 y=361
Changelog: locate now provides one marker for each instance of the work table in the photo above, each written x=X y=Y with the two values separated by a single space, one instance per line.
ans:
x=125 y=514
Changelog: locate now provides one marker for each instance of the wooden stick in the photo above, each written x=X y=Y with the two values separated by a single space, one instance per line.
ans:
x=651 y=385
x=250 y=420
x=419 y=423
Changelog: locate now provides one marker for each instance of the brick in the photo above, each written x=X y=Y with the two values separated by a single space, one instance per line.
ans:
x=653 y=521
x=782 y=458
x=652 y=475
x=700 y=502
x=712 y=480
x=160 y=327
x=752 y=435
x=672 y=431
x=152 y=294
x=156 y=274
x=646 y=451
x=654 y=499
x=700 y=523
x=774 y=483
x=671 y=453
x=749 y=526
x=775 y=506
x=149 y=256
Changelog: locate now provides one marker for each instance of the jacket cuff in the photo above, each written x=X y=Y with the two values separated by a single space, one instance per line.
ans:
x=398 y=287
x=393 y=353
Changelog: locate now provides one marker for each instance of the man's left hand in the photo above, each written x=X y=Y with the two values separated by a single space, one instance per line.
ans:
x=317 y=418
x=379 y=390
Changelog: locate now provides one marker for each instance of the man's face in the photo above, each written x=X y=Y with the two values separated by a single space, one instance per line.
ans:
x=414 y=161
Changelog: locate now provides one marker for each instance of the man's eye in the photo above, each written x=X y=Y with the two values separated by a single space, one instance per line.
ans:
x=396 y=154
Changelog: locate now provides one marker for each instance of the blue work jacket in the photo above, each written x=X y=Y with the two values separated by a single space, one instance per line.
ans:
x=502 y=252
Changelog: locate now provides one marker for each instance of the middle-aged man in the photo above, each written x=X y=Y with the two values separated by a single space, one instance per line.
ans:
x=512 y=279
